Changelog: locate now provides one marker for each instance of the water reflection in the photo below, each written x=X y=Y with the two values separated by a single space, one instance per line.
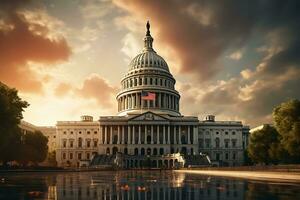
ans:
x=125 y=185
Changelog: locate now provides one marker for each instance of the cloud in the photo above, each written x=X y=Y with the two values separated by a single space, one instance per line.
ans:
x=97 y=88
x=237 y=55
x=197 y=40
x=25 y=36
x=62 y=89
x=201 y=33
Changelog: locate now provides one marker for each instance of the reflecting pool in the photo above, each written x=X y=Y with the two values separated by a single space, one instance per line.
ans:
x=139 y=185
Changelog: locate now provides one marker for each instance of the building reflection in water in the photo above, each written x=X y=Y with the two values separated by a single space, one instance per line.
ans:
x=127 y=185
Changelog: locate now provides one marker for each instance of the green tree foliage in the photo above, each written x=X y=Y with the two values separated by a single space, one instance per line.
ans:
x=11 y=108
x=34 y=147
x=287 y=121
x=262 y=143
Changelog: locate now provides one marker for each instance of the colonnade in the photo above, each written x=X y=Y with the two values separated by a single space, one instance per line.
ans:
x=146 y=134
x=163 y=101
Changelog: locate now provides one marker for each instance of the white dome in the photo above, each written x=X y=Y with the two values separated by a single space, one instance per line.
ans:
x=148 y=73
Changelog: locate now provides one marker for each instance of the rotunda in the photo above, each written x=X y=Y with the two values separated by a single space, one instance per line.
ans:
x=148 y=73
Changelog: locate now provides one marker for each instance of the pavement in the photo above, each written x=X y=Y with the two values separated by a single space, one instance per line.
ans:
x=254 y=175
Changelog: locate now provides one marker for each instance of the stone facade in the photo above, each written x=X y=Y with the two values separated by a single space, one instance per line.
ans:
x=76 y=141
x=223 y=141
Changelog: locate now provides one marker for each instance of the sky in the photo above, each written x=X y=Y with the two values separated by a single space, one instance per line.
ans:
x=235 y=59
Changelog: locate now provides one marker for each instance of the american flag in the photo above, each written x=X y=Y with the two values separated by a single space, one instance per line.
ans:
x=148 y=95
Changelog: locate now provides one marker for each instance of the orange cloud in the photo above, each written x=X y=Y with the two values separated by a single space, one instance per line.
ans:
x=62 y=89
x=97 y=88
x=21 y=42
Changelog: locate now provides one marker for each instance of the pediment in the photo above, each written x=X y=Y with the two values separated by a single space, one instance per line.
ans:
x=149 y=116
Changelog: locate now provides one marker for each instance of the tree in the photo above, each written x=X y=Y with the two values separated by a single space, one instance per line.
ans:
x=34 y=147
x=261 y=144
x=11 y=108
x=287 y=121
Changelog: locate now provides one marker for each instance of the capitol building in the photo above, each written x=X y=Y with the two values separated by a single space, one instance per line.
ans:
x=149 y=126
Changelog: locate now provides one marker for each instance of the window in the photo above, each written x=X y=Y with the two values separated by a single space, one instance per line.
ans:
x=88 y=143
x=71 y=156
x=65 y=132
x=226 y=133
x=233 y=143
x=71 y=132
x=217 y=142
x=217 y=133
x=88 y=156
x=64 y=156
x=79 y=132
x=95 y=143
x=226 y=156
x=71 y=144
x=234 y=156
x=79 y=156
x=64 y=144
x=226 y=141
x=95 y=132
x=88 y=132
x=79 y=142
x=201 y=143
x=233 y=133
x=207 y=143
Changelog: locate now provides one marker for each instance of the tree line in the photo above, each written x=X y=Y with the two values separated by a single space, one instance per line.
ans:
x=14 y=145
x=278 y=143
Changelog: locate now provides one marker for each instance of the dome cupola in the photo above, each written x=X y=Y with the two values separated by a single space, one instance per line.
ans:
x=148 y=73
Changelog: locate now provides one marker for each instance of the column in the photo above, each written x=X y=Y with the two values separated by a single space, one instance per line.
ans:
x=179 y=134
x=128 y=133
x=119 y=135
x=157 y=135
x=105 y=134
x=195 y=135
x=123 y=136
x=132 y=101
x=100 y=134
x=164 y=134
x=133 y=134
x=159 y=100
x=152 y=134
x=140 y=134
x=111 y=134
x=169 y=142
x=189 y=136
x=175 y=134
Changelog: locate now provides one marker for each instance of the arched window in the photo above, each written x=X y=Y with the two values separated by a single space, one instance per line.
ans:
x=142 y=151
x=125 y=151
x=79 y=142
x=217 y=142
x=115 y=150
x=148 y=151
x=155 y=151
x=136 y=151
x=161 y=151
x=107 y=150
